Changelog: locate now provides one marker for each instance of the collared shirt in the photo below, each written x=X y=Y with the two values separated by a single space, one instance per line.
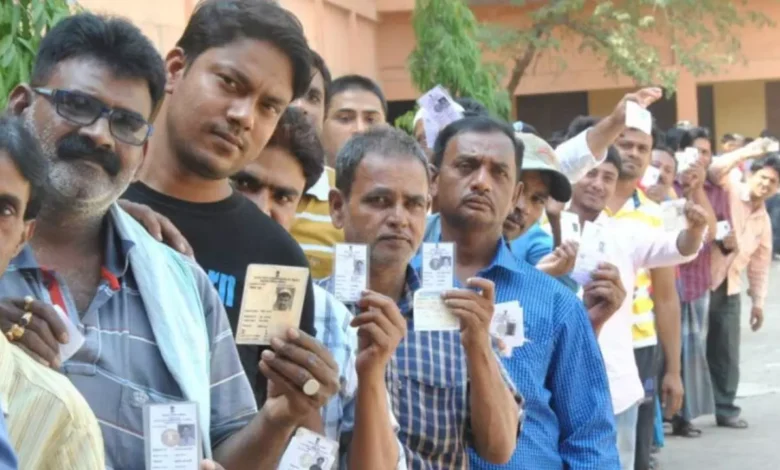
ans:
x=313 y=228
x=639 y=208
x=753 y=231
x=429 y=393
x=696 y=276
x=332 y=321
x=633 y=247
x=569 y=422
x=119 y=369
x=49 y=423
x=7 y=457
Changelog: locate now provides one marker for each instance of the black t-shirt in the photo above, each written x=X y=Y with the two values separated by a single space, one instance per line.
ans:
x=227 y=236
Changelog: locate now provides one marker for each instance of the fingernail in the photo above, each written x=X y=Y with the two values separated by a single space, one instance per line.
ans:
x=56 y=364
x=182 y=247
x=158 y=237
x=268 y=355
x=277 y=343
x=292 y=333
x=64 y=338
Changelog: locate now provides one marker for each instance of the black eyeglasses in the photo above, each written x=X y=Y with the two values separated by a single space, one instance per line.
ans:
x=82 y=109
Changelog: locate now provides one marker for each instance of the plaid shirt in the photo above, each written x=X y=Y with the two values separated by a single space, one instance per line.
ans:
x=696 y=276
x=332 y=321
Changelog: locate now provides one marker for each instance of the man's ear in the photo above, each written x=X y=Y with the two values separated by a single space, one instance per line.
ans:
x=175 y=68
x=518 y=193
x=26 y=235
x=20 y=98
x=434 y=185
x=338 y=208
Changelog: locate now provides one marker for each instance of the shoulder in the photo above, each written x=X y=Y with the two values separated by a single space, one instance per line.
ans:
x=539 y=289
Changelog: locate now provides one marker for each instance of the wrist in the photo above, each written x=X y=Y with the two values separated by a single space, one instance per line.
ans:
x=478 y=346
x=371 y=376
x=270 y=415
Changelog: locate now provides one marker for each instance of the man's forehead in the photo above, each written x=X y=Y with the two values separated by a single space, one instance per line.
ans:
x=479 y=144
x=635 y=135
x=355 y=99
x=392 y=172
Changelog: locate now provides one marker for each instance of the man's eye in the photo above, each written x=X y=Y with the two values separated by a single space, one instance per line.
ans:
x=7 y=211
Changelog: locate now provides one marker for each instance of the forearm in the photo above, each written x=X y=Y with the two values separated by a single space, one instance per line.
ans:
x=259 y=446
x=700 y=197
x=721 y=166
x=667 y=314
x=373 y=443
x=494 y=412
x=604 y=134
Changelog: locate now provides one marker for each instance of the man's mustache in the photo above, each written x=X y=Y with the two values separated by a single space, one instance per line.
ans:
x=75 y=147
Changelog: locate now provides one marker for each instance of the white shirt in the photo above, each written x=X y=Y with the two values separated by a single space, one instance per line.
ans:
x=635 y=247
x=575 y=157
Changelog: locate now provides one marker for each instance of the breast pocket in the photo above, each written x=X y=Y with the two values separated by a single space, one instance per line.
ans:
x=431 y=386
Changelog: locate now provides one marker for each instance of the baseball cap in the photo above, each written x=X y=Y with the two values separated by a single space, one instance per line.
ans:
x=540 y=156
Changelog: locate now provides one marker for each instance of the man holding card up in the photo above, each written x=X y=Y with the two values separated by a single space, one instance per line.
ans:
x=555 y=361
x=276 y=181
x=447 y=388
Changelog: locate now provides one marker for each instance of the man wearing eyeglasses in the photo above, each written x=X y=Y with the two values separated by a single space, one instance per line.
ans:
x=154 y=328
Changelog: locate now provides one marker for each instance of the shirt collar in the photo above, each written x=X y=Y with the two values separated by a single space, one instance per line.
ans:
x=116 y=250
x=321 y=188
x=412 y=285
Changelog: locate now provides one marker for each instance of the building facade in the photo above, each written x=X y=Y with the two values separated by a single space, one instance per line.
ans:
x=375 y=37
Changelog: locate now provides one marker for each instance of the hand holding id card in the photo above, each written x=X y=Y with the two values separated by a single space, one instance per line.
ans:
x=722 y=229
x=570 y=227
x=638 y=117
x=651 y=176
x=308 y=450
x=272 y=302
x=172 y=436
x=350 y=273
x=674 y=215
x=438 y=266
x=75 y=338
x=431 y=314
x=594 y=250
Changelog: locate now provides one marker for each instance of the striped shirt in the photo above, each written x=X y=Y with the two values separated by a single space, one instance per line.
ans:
x=49 y=423
x=119 y=369
x=313 y=228
x=641 y=209
x=7 y=457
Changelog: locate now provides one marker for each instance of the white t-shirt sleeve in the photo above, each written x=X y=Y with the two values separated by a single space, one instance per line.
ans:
x=576 y=158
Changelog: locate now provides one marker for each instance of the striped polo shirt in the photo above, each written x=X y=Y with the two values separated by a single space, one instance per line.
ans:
x=119 y=369
x=313 y=228
x=640 y=209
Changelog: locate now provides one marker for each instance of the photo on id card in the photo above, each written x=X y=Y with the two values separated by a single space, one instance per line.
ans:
x=172 y=438
x=272 y=302
x=438 y=265
x=308 y=450
x=350 y=272
x=594 y=249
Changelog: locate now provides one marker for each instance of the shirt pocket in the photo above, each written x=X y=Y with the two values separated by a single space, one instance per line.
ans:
x=431 y=388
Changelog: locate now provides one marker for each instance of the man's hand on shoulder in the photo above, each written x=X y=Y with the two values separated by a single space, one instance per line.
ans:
x=158 y=226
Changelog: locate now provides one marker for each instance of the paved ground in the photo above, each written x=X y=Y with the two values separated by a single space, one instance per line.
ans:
x=756 y=448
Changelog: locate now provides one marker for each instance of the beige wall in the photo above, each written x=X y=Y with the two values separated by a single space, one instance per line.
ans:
x=740 y=107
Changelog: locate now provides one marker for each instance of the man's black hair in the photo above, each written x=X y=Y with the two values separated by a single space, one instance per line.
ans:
x=613 y=158
x=298 y=136
x=480 y=125
x=579 y=124
x=770 y=160
x=318 y=63
x=357 y=82
x=691 y=135
x=768 y=133
x=472 y=107
x=24 y=150
x=732 y=137
x=217 y=23
x=109 y=41
x=385 y=141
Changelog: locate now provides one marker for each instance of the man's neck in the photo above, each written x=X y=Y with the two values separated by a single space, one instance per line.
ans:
x=584 y=213
x=163 y=172
x=474 y=249
x=625 y=189
x=388 y=280
x=60 y=231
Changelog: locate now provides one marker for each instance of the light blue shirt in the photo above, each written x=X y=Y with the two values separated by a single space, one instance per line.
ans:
x=7 y=457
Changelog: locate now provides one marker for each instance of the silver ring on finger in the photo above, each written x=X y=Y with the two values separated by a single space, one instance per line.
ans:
x=28 y=300
x=311 y=387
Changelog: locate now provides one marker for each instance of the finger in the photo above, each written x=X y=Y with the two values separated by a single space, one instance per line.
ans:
x=298 y=376
x=33 y=343
x=147 y=218
x=375 y=334
x=174 y=237
x=55 y=323
x=606 y=273
x=375 y=317
x=474 y=308
x=303 y=363
x=310 y=343
x=41 y=328
x=485 y=285
x=386 y=305
x=282 y=383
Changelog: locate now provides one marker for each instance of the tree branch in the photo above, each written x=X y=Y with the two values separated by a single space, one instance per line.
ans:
x=522 y=62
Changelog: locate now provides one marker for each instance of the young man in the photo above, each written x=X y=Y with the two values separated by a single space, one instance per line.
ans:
x=753 y=233
x=447 y=388
x=107 y=274
x=632 y=248
x=49 y=423
x=477 y=184
x=226 y=88
x=276 y=181
x=664 y=160
x=353 y=104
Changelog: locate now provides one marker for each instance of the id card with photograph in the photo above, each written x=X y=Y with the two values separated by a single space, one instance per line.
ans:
x=638 y=117
x=440 y=111
x=172 y=436
x=650 y=177
x=438 y=266
x=570 y=227
x=350 y=272
x=507 y=324
x=594 y=249
x=430 y=313
x=722 y=229
x=308 y=450
x=685 y=159
x=674 y=215
x=75 y=338
x=272 y=302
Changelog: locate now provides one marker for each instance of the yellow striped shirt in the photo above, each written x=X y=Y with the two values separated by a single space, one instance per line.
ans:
x=50 y=425
x=641 y=209
x=313 y=228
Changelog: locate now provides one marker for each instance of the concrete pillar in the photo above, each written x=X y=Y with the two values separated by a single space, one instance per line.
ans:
x=687 y=99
